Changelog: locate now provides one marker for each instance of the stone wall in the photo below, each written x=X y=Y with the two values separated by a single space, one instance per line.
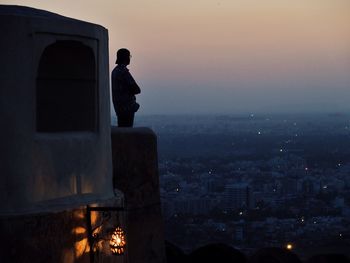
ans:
x=52 y=237
x=40 y=164
x=135 y=173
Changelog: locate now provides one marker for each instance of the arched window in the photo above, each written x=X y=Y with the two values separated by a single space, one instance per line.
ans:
x=66 y=97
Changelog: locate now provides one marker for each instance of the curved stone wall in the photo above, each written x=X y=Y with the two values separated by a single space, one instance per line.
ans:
x=54 y=111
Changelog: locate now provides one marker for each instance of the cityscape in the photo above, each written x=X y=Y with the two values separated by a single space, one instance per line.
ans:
x=254 y=181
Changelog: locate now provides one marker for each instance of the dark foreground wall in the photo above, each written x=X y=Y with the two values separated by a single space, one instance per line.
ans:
x=53 y=237
x=54 y=111
x=135 y=173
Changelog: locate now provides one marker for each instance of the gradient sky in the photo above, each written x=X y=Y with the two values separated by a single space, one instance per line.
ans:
x=227 y=56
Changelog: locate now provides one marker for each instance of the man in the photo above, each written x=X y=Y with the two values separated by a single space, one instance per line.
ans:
x=124 y=89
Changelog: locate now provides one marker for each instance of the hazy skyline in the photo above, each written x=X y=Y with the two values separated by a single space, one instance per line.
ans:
x=227 y=56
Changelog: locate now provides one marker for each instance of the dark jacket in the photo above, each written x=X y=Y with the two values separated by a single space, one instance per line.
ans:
x=124 y=89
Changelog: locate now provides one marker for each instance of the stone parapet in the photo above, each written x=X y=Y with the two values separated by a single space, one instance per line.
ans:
x=135 y=173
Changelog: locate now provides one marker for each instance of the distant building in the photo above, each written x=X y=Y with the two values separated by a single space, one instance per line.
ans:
x=289 y=186
x=237 y=196
x=193 y=205
x=239 y=233
x=309 y=186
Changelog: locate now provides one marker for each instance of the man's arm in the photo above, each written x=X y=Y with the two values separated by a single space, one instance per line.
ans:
x=135 y=89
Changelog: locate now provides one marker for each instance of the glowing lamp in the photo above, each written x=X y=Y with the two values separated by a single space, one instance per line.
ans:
x=117 y=242
x=99 y=232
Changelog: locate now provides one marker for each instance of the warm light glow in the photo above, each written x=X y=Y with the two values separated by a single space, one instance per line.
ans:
x=94 y=217
x=79 y=230
x=78 y=214
x=289 y=246
x=117 y=242
x=81 y=247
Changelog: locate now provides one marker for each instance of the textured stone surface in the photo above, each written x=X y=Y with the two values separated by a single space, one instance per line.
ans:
x=35 y=166
x=135 y=173
x=52 y=238
x=50 y=172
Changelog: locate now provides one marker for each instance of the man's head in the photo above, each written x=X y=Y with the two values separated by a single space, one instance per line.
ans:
x=123 y=56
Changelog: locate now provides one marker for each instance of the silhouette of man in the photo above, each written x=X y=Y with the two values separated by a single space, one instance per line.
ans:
x=124 y=89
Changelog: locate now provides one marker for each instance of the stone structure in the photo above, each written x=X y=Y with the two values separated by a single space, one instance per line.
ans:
x=135 y=173
x=55 y=113
x=56 y=154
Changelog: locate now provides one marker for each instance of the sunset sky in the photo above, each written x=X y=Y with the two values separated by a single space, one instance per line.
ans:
x=227 y=56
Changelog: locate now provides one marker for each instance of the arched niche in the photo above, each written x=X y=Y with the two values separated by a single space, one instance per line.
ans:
x=66 y=89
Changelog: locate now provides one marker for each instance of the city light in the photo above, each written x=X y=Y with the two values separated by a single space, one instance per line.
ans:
x=301 y=194
x=289 y=246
